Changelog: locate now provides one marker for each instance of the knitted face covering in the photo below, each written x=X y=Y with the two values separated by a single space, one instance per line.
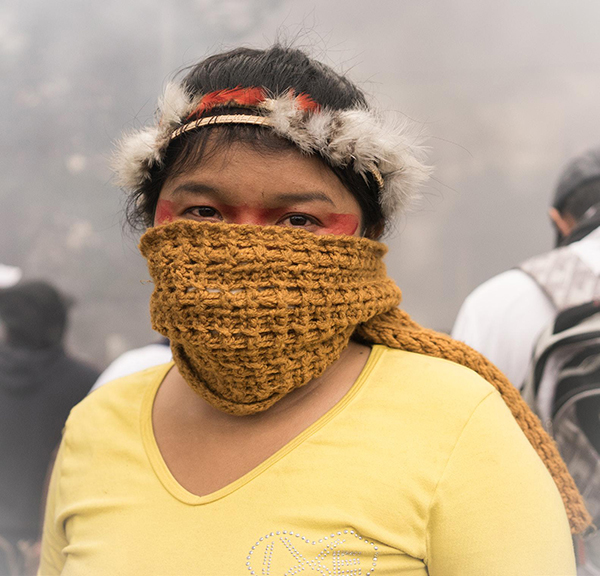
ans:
x=255 y=312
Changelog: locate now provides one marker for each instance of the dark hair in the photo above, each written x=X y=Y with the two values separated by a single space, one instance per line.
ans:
x=34 y=313
x=582 y=199
x=277 y=69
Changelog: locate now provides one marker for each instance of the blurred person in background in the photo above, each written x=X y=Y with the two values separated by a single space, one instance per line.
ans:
x=504 y=317
x=39 y=384
x=306 y=423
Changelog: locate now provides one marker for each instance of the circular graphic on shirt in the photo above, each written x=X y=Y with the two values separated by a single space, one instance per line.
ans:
x=288 y=552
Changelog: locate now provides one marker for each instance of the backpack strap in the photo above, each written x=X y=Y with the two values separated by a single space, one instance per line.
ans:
x=569 y=318
x=566 y=280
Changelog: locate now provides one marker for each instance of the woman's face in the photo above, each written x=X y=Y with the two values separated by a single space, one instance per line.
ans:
x=240 y=185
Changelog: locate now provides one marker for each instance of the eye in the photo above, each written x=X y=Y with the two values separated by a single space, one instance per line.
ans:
x=204 y=212
x=299 y=221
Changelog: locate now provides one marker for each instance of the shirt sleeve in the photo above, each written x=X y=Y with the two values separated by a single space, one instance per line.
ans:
x=52 y=559
x=496 y=509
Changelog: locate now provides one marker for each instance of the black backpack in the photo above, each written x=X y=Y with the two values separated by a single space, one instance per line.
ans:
x=563 y=388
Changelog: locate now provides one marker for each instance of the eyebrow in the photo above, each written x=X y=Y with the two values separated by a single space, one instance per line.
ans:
x=299 y=197
x=294 y=197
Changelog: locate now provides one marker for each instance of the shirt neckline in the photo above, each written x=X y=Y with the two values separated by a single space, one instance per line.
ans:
x=178 y=491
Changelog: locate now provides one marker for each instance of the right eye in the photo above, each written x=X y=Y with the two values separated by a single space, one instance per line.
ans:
x=204 y=213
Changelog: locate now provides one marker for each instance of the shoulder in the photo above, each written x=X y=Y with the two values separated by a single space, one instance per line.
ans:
x=430 y=385
x=426 y=405
x=505 y=287
x=116 y=405
x=442 y=402
x=504 y=305
x=125 y=390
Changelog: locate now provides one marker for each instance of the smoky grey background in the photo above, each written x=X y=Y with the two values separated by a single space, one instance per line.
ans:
x=508 y=92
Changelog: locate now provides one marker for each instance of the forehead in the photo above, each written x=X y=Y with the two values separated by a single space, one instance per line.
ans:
x=244 y=168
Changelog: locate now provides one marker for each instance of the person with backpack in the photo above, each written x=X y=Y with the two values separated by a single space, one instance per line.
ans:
x=503 y=317
x=540 y=324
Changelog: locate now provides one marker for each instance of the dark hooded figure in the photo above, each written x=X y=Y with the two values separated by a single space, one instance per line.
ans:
x=39 y=384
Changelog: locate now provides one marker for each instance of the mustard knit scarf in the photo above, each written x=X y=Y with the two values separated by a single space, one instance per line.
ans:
x=271 y=308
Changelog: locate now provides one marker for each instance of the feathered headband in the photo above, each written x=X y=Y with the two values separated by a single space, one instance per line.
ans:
x=356 y=137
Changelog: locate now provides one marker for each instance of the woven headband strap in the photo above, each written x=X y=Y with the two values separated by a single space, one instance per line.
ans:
x=255 y=120
x=223 y=119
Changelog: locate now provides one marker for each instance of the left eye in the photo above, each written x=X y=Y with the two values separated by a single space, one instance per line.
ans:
x=299 y=220
x=204 y=211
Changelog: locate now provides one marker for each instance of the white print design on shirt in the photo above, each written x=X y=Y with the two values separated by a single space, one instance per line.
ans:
x=293 y=552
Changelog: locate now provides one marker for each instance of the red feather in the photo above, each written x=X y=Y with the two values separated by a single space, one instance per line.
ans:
x=240 y=96
x=245 y=97
x=305 y=102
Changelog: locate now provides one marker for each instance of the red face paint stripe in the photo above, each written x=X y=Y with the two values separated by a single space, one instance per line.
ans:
x=165 y=212
x=340 y=224
x=332 y=223
x=244 y=214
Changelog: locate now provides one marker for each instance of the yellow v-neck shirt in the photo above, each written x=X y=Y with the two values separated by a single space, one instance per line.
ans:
x=420 y=469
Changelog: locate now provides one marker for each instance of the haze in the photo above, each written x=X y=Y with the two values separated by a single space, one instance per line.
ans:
x=508 y=92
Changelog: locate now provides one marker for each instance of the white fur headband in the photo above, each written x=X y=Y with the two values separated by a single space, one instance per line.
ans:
x=358 y=137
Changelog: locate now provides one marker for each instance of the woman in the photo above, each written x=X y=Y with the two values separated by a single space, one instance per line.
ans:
x=305 y=424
